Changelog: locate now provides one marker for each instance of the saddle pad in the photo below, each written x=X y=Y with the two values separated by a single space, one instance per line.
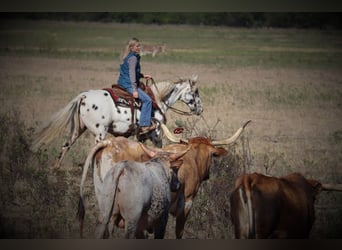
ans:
x=118 y=93
x=112 y=94
x=122 y=99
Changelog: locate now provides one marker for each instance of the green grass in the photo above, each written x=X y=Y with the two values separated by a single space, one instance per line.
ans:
x=187 y=44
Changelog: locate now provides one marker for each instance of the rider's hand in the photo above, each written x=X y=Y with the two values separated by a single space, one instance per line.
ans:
x=135 y=94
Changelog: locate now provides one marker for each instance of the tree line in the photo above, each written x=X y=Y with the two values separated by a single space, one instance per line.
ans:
x=320 y=20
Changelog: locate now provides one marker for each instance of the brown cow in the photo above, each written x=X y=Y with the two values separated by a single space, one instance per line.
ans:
x=270 y=207
x=194 y=170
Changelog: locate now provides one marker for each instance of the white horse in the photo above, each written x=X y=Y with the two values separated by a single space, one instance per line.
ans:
x=96 y=111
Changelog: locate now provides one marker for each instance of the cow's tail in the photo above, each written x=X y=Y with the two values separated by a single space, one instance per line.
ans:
x=111 y=181
x=108 y=195
x=245 y=193
x=241 y=206
x=65 y=118
x=89 y=161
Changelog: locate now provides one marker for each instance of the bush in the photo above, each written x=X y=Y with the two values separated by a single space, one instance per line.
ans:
x=32 y=198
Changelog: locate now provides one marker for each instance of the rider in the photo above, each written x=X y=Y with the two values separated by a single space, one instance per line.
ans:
x=129 y=79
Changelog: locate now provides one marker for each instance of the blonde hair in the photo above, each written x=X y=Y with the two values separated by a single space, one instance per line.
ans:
x=132 y=42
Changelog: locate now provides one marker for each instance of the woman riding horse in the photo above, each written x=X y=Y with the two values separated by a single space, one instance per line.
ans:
x=129 y=79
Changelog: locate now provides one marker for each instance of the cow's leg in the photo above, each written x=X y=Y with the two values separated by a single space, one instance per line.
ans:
x=106 y=202
x=181 y=219
x=102 y=230
x=180 y=222
x=131 y=229
x=140 y=234
x=105 y=207
x=159 y=231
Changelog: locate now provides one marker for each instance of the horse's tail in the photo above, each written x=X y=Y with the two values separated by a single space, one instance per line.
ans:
x=88 y=162
x=67 y=117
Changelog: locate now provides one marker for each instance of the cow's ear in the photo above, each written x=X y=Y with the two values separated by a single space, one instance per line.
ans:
x=145 y=157
x=316 y=186
x=220 y=152
x=176 y=164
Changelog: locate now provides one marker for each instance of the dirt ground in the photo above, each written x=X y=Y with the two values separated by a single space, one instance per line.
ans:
x=302 y=134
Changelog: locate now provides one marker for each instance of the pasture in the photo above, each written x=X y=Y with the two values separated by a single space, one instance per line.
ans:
x=287 y=81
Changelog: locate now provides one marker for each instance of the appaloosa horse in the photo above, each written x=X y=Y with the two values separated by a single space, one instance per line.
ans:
x=98 y=112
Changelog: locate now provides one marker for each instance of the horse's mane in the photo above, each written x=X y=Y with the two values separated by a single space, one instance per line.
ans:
x=162 y=89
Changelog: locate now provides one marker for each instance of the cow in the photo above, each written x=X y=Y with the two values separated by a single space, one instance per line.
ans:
x=138 y=194
x=194 y=170
x=105 y=155
x=270 y=207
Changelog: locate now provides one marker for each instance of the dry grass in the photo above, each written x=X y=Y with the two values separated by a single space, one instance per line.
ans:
x=296 y=126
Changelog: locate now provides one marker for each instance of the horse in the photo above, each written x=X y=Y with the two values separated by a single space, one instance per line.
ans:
x=96 y=111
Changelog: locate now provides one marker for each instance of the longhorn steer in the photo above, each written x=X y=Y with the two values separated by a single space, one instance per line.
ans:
x=194 y=170
x=270 y=207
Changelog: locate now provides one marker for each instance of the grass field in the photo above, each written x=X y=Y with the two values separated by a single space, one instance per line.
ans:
x=288 y=82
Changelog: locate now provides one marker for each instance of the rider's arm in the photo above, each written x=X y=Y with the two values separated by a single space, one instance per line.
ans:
x=132 y=62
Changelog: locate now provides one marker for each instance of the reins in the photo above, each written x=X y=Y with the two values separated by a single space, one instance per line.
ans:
x=177 y=111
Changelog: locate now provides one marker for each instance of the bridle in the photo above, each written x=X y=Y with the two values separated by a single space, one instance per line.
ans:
x=177 y=111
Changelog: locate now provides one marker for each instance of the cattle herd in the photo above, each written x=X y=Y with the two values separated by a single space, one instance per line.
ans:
x=138 y=186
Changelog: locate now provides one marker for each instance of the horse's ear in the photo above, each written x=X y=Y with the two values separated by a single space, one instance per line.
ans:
x=194 y=78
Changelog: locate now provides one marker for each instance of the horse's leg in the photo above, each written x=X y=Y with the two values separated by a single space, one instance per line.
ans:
x=156 y=140
x=101 y=132
x=67 y=145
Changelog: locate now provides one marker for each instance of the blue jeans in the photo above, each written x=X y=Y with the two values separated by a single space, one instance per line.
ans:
x=146 y=107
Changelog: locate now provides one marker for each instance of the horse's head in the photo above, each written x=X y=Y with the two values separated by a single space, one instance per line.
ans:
x=189 y=94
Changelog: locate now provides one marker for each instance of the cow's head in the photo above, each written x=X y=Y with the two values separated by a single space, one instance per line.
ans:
x=204 y=149
x=227 y=141
x=170 y=161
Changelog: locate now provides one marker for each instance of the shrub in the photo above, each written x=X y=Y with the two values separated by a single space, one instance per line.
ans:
x=32 y=198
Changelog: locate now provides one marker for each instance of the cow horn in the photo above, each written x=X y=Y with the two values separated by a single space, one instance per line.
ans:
x=331 y=187
x=233 y=138
x=171 y=137
x=175 y=156
x=151 y=153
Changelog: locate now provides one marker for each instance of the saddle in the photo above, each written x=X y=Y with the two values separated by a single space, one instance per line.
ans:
x=125 y=99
